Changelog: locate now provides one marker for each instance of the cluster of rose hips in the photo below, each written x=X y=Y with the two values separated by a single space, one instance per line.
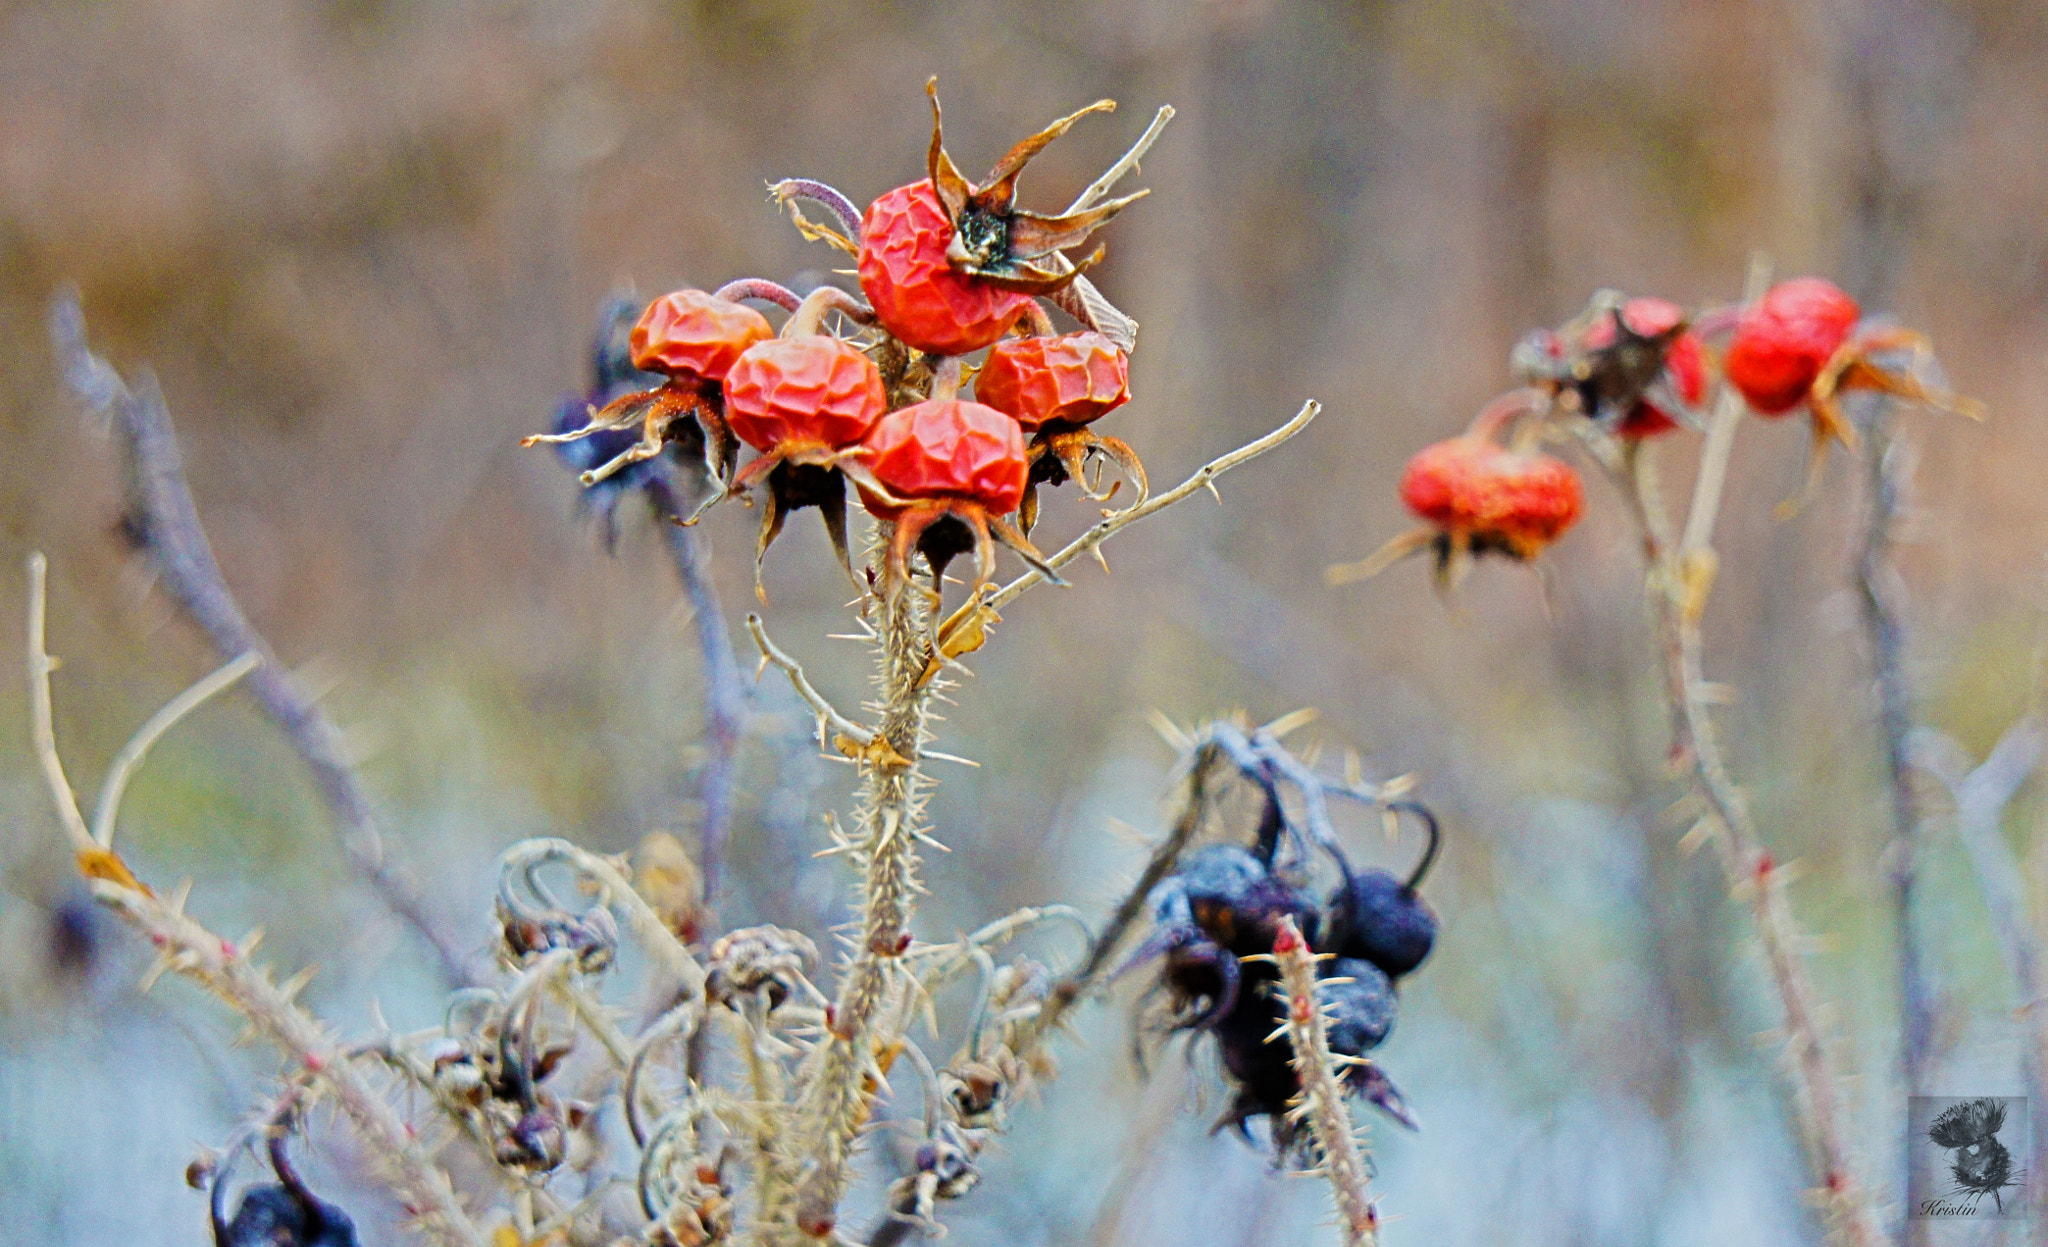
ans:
x=1640 y=368
x=1214 y=925
x=946 y=268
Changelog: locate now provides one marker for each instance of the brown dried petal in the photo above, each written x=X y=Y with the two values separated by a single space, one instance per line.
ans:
x=1032 y=235
x=999 y=188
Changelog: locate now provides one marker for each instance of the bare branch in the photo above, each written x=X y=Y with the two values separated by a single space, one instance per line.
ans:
x=828 y=715
x=164 y=523
x=130 y=758
x=726 y=709
x=983 y=607
x=42 y=717
x=1125 y=164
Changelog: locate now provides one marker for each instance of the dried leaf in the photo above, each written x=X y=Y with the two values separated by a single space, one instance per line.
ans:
x=98 y=863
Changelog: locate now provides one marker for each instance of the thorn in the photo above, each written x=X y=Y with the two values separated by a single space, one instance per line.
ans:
x=1168 y=730
x=1291 y=721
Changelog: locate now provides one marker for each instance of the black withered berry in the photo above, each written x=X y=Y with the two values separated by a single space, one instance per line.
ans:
x=280 y=1214
x=1378 y=918
x=271 y=1216
x=1362 y=1005
x=1225 y=904
x=1260 y=1063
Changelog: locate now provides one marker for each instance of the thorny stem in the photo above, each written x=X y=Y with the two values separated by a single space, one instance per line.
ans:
x=1322 y=1101
x=1882 y=598
x=1107 y=527
x=163 y=522
x=1677 y=599
x=226 y=969
x=841 y=1074
x=833 y=1101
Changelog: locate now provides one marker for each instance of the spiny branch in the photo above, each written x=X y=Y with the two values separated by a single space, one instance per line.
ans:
x=189 y=949
x=1680 y=581
x=1321 y=1100
x=981 y=609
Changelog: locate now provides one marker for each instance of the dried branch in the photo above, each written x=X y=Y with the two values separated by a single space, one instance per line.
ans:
x=188 y=948
x=726 y=709
x=163 y=522
x=1125 y=165
x=125 y=763
x=1882 y=597
x=1680 y=579
x=981 y=609
x=831 y=723
x=42 y=716
x=1339 y=1142
x=1982 y=795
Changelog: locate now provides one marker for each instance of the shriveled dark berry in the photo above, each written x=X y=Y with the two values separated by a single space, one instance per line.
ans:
x=1362 y=1010
x=271 y=1217
x=1378 y=918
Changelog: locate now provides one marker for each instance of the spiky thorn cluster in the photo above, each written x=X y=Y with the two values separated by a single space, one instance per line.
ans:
x=1339 y=1142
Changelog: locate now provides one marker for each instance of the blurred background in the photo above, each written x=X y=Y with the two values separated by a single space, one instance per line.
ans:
x=362 y=245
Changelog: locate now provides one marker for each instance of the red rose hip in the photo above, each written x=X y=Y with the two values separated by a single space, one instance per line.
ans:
x=790 y=395
x=1067 y=380
x=693 y=336
x=916 y=292
x=1785 y=340
x=693 y=339
x=946 y=472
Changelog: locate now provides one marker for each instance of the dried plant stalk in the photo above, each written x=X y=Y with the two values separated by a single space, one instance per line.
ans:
x=163 y=522
x=841 y=1074
x=218 y=964
x=1681 y=576
x=1322 y=1102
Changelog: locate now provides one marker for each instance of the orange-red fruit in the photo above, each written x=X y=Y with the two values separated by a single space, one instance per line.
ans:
x=948 y=448
x=692 y=336
x=915 y=291
x=1685 y=361
x=813 y=389
x=1070 y=379
x=1472 y=486
x=1783 y=341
